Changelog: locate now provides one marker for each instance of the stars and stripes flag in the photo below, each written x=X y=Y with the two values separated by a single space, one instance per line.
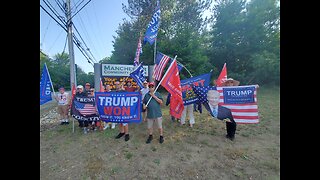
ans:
x=85 y=108
x=161 y=62
x=241 y=100
x=138 y=52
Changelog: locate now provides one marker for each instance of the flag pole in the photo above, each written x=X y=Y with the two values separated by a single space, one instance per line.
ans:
x=154 y=51
x=162 y=79
x=185 y=68
x=50 y=79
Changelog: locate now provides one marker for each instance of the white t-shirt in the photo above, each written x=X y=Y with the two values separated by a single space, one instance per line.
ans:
x=144 y=91
x=63 y=99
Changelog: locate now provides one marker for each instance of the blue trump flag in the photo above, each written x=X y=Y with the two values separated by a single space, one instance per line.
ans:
x=138 y=75
x=188 y=94
x=153 y=26
x=45 y=86
x=119 y=107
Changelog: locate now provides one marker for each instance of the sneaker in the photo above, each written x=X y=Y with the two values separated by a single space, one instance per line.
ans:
x=126 y=137
x=113 y=125
x=149 y=139
x=62 y=123
x=66 y=122
x=161 y=139
x=119 y=135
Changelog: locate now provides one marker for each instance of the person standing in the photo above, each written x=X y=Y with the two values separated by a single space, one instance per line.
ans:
x=87 y=88
x=188 y=109
x=129 y=87
x=123 y=127
x=154 y=113
x=64 y=100
x=81 y=93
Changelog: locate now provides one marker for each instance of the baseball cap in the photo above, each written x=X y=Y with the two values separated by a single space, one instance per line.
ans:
x=151 y=84
x=79 y=87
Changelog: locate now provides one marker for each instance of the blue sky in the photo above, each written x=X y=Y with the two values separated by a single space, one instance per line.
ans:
x=96 y=23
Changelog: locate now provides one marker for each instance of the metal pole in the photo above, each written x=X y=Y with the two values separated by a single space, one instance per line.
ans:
x=70 y=44
x=71 y=52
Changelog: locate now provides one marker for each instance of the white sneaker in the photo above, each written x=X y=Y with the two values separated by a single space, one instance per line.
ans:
x=113 y=125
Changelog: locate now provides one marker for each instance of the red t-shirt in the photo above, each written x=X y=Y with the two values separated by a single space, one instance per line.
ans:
x=130 y=89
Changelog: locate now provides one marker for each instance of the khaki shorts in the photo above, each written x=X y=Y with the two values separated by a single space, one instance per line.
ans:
x=158 y=121
x=63 y=109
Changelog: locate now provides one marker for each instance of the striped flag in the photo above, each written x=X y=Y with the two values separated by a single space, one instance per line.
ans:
x=85 y=108
x=138 y=52
x=161 y=62
x=241 y=100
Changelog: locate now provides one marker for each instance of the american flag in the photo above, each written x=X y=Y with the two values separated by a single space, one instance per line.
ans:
x=138 y=52
x=161 y=62
x=246 y=113
x=85 y=108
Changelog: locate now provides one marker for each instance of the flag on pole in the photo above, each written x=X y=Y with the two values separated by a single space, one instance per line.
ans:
x=223 y=76
x=73 y=93
x=101 y=86
x=161 y=62
x=171 y=82
x=45 y=86
x=138 y=52
x=241 y=100
x=138 y=75
x=153 y=26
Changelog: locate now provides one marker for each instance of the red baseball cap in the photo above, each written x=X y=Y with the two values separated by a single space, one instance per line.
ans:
x=151 y=84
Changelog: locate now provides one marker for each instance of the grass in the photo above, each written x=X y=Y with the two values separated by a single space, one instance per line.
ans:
x=255 y=151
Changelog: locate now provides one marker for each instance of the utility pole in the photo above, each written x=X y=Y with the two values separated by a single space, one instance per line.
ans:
x=71 y=52
x=70 y=45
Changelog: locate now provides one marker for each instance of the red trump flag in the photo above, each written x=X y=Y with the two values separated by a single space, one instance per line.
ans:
x=171 y=82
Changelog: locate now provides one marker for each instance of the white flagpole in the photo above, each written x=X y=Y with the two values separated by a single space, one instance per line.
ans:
x=50 y=79
x=162 y=79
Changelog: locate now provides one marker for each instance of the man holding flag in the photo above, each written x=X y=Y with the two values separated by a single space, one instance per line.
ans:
x=154 y=101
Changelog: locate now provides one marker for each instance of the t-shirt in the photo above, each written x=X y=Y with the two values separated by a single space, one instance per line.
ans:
x=130 y=89
x=63 y=99
x=144 y=91
x=154 y=108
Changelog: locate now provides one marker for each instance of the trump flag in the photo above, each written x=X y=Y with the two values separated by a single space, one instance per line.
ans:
x=45 y=86
x=153 y=26
x=241 y=100
x=84 y=109
x=119 y=107
x=171 y=82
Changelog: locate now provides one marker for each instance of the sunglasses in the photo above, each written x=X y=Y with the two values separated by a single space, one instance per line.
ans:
x=151 y=86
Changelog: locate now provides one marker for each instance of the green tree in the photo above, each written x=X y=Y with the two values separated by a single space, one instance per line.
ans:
x=242 y=33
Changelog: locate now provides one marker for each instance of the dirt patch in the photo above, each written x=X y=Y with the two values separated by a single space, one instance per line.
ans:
x=201 y=152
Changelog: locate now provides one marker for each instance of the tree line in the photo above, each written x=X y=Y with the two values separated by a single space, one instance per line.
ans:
x=243 y=34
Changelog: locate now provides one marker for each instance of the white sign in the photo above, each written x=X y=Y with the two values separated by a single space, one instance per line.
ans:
x=119 y=70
